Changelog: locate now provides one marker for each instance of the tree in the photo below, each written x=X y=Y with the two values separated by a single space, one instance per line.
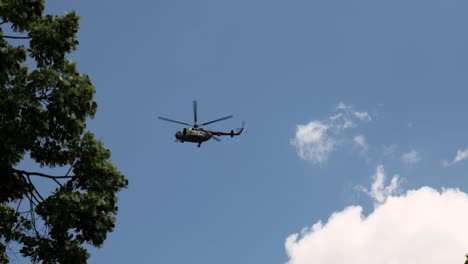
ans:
x=44 y=105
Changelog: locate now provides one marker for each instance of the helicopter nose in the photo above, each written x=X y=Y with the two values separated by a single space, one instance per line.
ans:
x=177 y=135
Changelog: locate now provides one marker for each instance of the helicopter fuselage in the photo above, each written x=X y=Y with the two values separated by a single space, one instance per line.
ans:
x=193 y=134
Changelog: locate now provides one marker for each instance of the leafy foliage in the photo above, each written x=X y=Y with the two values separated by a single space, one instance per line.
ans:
x=43 y=113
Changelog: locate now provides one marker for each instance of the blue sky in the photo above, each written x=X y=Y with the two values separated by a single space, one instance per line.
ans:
x=275 y=65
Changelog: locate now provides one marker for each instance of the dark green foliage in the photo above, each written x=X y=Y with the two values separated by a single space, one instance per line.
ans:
x=44 y=105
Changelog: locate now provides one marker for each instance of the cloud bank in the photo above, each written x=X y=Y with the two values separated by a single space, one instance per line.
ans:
x=316 y=140
x=420 y=226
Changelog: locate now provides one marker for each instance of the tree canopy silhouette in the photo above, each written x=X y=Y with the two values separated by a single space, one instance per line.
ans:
x=44 y=105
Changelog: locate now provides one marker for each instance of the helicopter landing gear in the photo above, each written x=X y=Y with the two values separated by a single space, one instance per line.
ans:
x=199 y=144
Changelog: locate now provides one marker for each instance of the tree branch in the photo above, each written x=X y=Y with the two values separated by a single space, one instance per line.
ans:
x=29 y=173
x=34 y=189
x=15 y=37
x=19 y=204
x=33 y=218
x=71 y=167
x=56 y=181
x=31 y=205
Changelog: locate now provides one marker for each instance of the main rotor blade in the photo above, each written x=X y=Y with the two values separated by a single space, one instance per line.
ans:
x=173 y=121
x=217 y=120
x=195 y=111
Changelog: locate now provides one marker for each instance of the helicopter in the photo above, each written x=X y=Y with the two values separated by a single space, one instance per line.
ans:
x=194 y=133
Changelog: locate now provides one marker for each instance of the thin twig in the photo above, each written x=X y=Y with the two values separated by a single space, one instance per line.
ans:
x=71 y=167
x=11 y=251
x=34 y=188
x=35 y=198
x=33 y=219
x=15 y=37
x=56 y=181
x=66 y=175
x=19 y=204
x=28 y=173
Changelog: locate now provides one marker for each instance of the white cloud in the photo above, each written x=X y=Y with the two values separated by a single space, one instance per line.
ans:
x=347 y=123
x=378 y=191
x=446 y=163
x=347 y=117
x=312 y=142
x=461 y=155
x=360 y=141
x=335 y=117
x=363 y=116
x=411 y=157
x=420 y=226
x=389 y=150
x=316 y=140
x=343 y=106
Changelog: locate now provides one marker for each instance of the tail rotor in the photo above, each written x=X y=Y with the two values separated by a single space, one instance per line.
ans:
x=242 y=128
